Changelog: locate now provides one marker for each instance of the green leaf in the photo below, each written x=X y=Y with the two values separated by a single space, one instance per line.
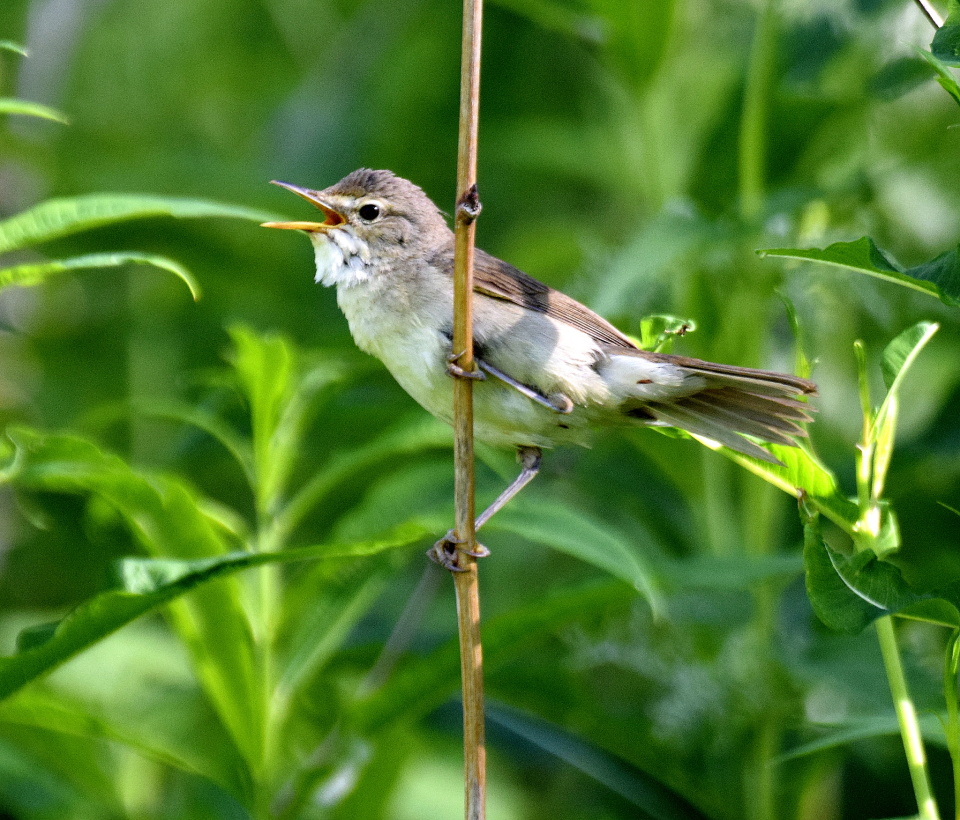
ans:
x=57 y=218
x=146 y=584
x=35 y=274
x=901 y=76
x=850 y=592
x=651 y=797
x=939 y=277
x=576 y=533
x=900 y=354
x=802 y=475
x=944 y=76
x=864 y=729
x=10 y=105
x=9 y=45
x=167 y=518
x=946 y=42
x=280 y=389
x=896 y=361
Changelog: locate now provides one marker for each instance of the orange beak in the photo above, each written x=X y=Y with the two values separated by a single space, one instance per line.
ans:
x=332 y=217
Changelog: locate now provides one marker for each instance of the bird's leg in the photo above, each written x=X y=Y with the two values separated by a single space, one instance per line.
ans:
x=558 y=402
x=444 y=552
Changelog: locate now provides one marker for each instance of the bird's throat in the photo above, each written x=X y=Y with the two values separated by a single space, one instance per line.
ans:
x=341 y=259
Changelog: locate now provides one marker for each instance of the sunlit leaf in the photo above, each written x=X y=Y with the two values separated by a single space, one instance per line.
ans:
x=9 y=45
x=939 y=277
x=10 y=105
x=900 y=354
x=57 y=218
x=802 y=475
x=37 y=273
x=652 y=798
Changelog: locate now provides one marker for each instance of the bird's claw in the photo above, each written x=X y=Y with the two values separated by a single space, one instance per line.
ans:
x=444 y=552
x=461 y=373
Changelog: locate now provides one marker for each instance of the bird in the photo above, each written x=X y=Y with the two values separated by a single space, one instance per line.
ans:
x=550 y=371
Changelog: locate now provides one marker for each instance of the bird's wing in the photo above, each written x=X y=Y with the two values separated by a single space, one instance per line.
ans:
x=498 y=280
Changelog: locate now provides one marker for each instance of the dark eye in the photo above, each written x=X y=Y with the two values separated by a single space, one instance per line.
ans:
x=369 y=212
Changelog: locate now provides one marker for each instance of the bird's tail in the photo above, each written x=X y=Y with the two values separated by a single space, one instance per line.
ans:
x=735 y=402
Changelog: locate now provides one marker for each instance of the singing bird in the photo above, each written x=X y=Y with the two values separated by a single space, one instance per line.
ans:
x=550 y=369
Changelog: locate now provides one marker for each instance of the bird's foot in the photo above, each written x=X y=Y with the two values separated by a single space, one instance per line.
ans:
x=461 y=373
x=444 y=552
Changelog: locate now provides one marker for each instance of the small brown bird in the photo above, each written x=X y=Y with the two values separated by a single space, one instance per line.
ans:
x=551 y=370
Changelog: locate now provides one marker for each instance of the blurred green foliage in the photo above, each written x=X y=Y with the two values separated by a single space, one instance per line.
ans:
x=634 y=154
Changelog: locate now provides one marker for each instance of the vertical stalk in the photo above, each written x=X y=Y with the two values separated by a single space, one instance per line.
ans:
x=466 y=580
x=907 y=718
x=762 y=785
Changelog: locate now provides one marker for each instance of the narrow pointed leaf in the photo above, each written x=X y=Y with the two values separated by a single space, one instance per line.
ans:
x=944 y=76
x=10 y=105
x=652 y=798
x=57 y=218
x=144 y=585
x=939 y=277
x=37 y=273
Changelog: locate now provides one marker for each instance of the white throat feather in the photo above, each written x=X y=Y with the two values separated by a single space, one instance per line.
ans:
x=341 y=258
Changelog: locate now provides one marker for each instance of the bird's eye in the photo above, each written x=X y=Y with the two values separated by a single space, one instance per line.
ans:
x=369 y=212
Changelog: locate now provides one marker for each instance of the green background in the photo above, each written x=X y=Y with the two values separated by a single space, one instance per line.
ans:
x=635 y=155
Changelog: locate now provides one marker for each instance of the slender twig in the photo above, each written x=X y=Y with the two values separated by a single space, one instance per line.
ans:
x=466 y=581
x=931 y=13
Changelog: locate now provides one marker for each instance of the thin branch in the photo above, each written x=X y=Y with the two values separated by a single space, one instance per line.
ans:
x=466 y=581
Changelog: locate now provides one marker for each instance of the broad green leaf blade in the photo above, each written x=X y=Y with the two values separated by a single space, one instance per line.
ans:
x=11 y=105
x=578 y=534
x=9 y=45
x=35 y=274
x=149 y=583
x=946 y=42
x=850 y=592
x=652 y=798
x=939 y=277
x=57 y=218
x=944 y=75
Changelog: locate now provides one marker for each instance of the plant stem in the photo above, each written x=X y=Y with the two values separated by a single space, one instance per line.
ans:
x=907 y=718
x=466 y=580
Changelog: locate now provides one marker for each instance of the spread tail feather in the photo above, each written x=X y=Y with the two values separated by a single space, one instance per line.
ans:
x=736 y=402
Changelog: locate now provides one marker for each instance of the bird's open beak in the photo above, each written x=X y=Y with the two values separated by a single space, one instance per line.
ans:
x=332 y=216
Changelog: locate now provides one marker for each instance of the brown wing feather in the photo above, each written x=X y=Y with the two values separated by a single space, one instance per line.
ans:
x=494 y=278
